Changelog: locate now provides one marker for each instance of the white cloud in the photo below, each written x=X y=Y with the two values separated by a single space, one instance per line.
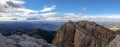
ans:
x=77 y=17
x=103 y=18
x=14 y=7
x=55 y=16
x=13 y=1
x=72 y=15
x=84 y=8
x=9 y=6
x=47 y=9
x=14 y=10
x=26 y=12
x=50 y=14
x=42 y=16
x=97 y=18
x=4 y=18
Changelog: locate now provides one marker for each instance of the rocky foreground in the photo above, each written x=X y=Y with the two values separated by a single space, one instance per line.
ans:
x=22 y=41
x=85 y=34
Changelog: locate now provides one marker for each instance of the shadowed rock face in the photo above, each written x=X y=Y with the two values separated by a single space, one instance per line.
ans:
x=83 y=34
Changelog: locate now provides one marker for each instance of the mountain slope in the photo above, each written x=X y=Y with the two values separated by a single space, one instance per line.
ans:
x=43 y=34
x=27 y=25
x=22 y=41
x=83 y=34
x=36 y=33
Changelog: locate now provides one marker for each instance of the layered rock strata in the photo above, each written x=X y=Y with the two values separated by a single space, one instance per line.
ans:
x=83 y=34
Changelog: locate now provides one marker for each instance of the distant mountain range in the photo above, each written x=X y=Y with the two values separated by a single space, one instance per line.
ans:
x=28 y=25
x=31 y=25
x=38 y=29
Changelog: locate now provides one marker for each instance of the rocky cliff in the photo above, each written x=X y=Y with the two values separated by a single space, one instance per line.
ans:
x=83 y=34
x=22 y=41
x=115 y=42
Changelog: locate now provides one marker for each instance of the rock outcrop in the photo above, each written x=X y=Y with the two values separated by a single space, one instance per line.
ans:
x=83 y=34
x=115 y=42
x=22 y=41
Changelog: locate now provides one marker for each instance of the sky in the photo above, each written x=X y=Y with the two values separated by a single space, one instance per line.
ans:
x=60 y=10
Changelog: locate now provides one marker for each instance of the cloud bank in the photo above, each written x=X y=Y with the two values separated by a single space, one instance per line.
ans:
x=53 y=16
x=14 y=10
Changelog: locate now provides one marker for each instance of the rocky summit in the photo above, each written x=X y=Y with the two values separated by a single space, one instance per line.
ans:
x=83 y=34
x=22 y=41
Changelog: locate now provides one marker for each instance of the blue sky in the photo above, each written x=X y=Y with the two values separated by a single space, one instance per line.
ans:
x=94 y=7
x=60 y=10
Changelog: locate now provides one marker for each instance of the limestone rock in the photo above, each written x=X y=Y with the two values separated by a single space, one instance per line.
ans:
x=83 y=34
x=115 y=42
x=22 y=41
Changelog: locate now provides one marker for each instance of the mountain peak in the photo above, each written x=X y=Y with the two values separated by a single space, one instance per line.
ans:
x=83 y=34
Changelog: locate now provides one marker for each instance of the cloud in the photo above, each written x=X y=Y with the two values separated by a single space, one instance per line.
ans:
x=8 y=6
x=15 y=3
x=43 y=16
x=55 y=16
x=47 y=9
x=11 y=10
x=15 y=10
x=103 y=18
x=84 y=8
x=4 y=18
x=96 y=18
x=78 y=17
x=14 y=7
x=50 y=14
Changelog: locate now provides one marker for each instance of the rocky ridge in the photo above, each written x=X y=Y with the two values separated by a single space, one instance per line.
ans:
x=83 y=34
x=115 y=42
x=22 y=41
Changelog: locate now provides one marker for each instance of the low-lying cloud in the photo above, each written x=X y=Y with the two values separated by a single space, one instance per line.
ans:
x=76 y=17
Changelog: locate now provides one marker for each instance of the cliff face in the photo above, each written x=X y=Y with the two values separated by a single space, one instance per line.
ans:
x=115 y=42
x=83 y=34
